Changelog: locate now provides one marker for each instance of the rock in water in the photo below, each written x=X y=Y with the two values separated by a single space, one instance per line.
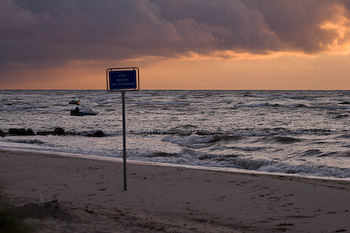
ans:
x=17 y=132
x=59 y=131
x=99 y=133
x=30 y=132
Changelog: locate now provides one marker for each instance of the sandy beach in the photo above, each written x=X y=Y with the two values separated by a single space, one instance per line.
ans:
x=65 y=194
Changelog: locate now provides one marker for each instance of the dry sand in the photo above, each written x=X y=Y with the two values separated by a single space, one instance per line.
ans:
x=65 y=194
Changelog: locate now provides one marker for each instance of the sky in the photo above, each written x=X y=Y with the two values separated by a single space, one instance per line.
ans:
x=177 y=44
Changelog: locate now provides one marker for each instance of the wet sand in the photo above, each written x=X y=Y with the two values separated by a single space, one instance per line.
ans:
x=64 y=194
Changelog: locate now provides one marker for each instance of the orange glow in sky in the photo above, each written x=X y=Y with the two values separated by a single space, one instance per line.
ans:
x=286 y=71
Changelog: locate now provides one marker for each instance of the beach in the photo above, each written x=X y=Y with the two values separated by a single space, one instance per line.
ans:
x=66 y=194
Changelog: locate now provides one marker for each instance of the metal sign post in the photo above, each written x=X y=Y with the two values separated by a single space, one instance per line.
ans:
x=122 y=80
x=124 y=140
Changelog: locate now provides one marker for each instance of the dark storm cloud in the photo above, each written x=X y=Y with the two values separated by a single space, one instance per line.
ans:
x=297 y=23
x=53 y=32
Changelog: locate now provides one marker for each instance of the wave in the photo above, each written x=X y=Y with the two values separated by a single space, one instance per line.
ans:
x=240 y=133
x=236 y=161
x=319 y=153
x=192 y=141
x=341 y=116
x=283 y=104
x=247 y=164
x=345 y=135
x=271 y=105
x=316 y=131
x=31 y=141
x=286 y=140
x=157 y=103
x=162 y=154
x=199 y=140
x=338 y=154
x=311 y=152
x=249 y=148
x=236 y=134
x=306 y=169
x=224 y=137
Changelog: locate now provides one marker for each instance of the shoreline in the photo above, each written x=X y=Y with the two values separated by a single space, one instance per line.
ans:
x=162 y=164
x=167 y=199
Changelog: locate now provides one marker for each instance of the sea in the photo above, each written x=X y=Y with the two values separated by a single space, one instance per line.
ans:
x=296 y=133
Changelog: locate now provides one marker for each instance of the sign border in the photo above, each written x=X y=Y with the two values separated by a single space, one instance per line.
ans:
x=123 y=69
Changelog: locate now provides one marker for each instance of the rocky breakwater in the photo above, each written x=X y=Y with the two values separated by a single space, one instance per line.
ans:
x=56 y=131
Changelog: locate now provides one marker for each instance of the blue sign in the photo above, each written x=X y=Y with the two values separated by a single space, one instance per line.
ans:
x=122 y=80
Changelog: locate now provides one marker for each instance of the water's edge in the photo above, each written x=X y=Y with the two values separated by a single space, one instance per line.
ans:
x=160 y=164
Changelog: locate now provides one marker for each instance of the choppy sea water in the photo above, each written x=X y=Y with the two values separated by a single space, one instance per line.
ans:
x=303 y=133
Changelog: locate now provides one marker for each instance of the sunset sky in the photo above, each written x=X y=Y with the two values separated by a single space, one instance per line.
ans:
x=177 y=44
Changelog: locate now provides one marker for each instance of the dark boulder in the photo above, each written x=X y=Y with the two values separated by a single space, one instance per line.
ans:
x=17 y=132
x=59 y=131
x=2 y=134
x=345 y=102
x=30 y=132
x=99 y=133
x=71 y=133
